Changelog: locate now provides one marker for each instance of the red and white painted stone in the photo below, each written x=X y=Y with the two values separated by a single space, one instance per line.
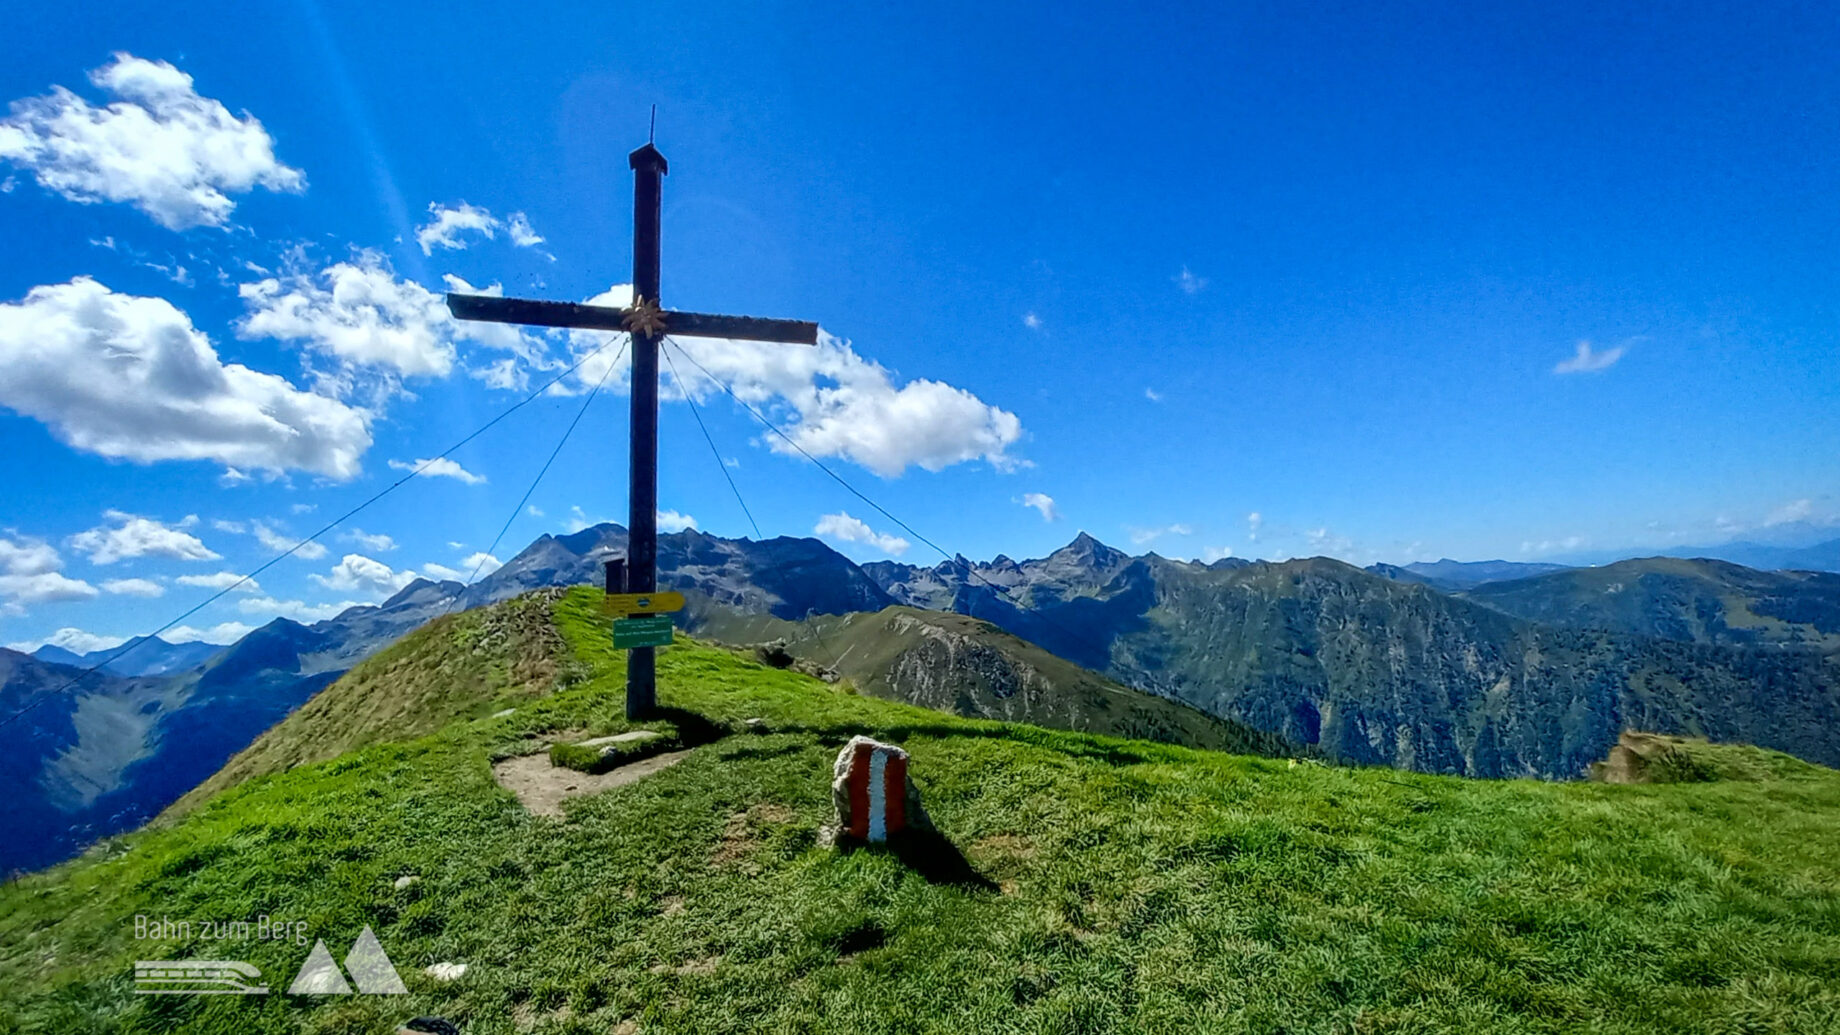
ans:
x=874 y=796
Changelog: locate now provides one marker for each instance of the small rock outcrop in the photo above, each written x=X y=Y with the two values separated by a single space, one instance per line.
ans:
x=873 y=794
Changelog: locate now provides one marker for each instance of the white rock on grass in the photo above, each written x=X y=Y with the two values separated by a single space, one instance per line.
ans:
x=405 y=881
x=446 y=971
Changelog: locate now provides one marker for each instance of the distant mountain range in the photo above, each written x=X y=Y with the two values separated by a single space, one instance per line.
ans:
x=141 y=656
x=1484 y=668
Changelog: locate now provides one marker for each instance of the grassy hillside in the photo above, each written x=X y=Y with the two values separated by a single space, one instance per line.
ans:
x=1113 y=886
x=966 y=666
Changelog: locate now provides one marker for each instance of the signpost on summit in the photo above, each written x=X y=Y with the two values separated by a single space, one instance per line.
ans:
x=648 y=324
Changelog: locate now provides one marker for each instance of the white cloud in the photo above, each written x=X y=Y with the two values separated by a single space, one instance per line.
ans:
x=356 y=573
x=482 y=562
x=672 y=521
x=1031 y=321
x=1189 y=283
x=1140 y=536
x=578 y=519
x=297 y=610
x=442 y=573
x=128 y=377
x=219 y=580
x=1328 y=544
x=1588 y=361
x=233 y=527
x=135 y=536
x=1042 y=502
x=1800 y=510
x=1215 y=553
x=73 y=640
x=449 y=223
x=521 y=233
x=304 y=508
x=1153 y=395
x=29 y=575
x=534 y=512
x=221 y=633
x=440 y=467
x=834 y=403
x=273 y=539
x=358 y=312
x=27 y=556
x=1254 y=522
x=841 y=526
x=160 y=146
x=378 y=542
x=134 y=587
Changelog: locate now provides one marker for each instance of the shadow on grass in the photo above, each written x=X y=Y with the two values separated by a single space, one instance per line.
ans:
x=931 y=855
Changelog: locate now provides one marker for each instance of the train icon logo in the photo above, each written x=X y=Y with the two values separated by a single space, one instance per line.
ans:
x=196 y=977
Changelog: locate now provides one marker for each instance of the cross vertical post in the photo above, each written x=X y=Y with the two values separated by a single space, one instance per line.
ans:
x=649 y=168
x=647 y=323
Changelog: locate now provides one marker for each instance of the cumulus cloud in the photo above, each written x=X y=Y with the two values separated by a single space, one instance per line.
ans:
x=134 y=588
x=844 y=528
x=29 y=575
x=1254 y=522
x=160 y=146
x=1589 y=361
x=450 y=223
x=1031 y=321
x=1189 y=283
x=834 y=403
x=129 y=377
x=482 y=562
x=356 y=573
x=220 y=580
x=359 y=313
x=221 y=633
x=378 y=542
x=1153 y=395
x=521 y=233
x=1140 y=536
x=1043 y=503
x=74 y=640
x=136 y=536
x=442 y=573
x=1215 y=553
x=672 y=521
x=440 y=467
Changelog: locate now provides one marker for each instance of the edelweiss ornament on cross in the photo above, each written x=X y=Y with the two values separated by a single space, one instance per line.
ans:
x=648 y=324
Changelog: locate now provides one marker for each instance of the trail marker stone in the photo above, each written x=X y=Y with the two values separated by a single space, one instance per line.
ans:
x=874 y=795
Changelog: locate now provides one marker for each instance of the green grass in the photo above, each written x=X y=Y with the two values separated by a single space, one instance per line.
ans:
x=1137 y=887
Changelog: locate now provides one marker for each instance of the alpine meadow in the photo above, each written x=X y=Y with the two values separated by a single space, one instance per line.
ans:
x=695 y=518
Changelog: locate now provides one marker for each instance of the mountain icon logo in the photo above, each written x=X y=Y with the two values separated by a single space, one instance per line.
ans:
x=369 y=966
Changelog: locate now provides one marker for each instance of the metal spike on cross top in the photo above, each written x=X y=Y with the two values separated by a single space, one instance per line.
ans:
x=648 y=323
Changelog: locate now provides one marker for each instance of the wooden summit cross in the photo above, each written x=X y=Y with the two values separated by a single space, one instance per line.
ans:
x=648 y=324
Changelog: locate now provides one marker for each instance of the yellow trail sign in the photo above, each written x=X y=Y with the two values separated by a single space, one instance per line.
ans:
x=643 y=603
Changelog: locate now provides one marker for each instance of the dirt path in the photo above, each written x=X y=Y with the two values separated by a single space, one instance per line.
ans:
x=541 y=787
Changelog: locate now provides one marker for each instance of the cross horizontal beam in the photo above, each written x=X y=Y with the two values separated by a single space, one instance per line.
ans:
x=540 y=313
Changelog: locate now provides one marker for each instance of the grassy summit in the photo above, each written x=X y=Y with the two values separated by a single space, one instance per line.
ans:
x=1121 y=885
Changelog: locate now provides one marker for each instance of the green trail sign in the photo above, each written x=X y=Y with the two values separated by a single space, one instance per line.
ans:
x=642 y=631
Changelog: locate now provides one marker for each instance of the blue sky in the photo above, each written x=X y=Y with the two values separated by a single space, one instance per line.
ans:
x=1330 y=268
